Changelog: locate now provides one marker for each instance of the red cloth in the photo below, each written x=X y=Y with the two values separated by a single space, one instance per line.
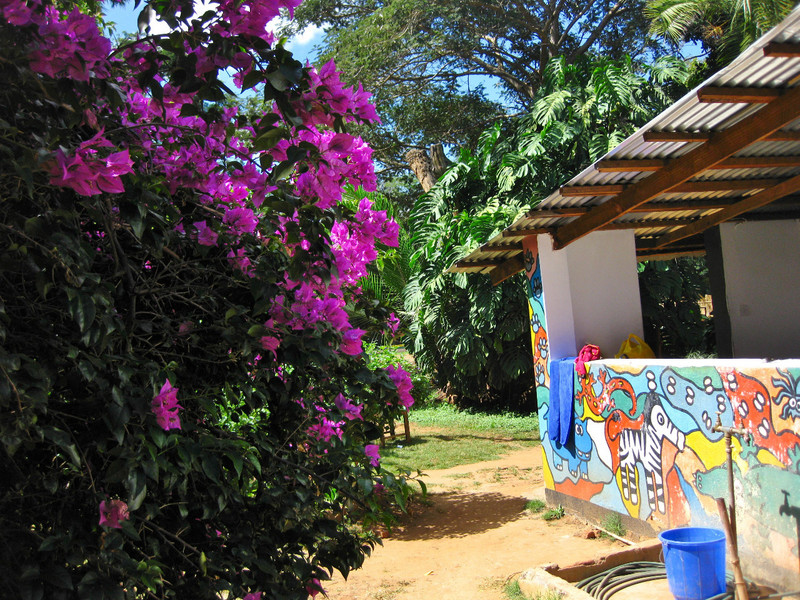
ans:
x=587 y=353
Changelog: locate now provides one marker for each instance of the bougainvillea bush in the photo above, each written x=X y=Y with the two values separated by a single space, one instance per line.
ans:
x=182 y=394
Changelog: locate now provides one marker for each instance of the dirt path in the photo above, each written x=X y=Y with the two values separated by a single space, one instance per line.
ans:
x=473 y=538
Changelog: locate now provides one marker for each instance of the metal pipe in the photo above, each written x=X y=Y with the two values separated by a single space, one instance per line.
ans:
x=727 y=516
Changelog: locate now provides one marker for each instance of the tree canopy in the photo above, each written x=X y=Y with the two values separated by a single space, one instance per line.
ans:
x=443 y=71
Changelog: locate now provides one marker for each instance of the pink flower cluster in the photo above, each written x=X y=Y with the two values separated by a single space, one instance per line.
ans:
x=402 y=381
x=351 y=411
x=251 y=17
x=347 y=159
x=165 y=407
x=112 y=512
x=88 y=171
x=373 y=453
x=354 y=242
x=66 y=45
x=327 y=92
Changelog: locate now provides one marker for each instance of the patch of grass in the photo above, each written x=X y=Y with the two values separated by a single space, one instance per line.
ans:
x=512 y=591
x=507 y=425
x=461 y=438
x=535 y=505
x=613 y=524
x=554 y=513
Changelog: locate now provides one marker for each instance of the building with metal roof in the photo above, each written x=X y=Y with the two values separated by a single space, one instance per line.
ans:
x=717 y=174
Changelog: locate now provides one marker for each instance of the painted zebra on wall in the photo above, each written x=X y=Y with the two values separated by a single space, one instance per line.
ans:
x=642 y=444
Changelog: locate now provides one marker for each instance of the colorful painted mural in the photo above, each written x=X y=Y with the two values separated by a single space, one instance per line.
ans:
x=643 y=443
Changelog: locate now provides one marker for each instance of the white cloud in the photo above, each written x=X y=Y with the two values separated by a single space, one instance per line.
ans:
x=308 y=36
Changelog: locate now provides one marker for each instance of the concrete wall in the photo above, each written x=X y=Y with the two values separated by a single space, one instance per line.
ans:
x=642 y=443
x=761 y=263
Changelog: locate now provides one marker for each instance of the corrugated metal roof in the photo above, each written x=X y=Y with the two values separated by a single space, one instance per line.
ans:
x=771 y=63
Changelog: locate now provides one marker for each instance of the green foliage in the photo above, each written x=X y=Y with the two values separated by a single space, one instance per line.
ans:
x=554 y=514
x=535 y=505
x=670 y=291
x=474 y=336
x=512 y=591
x=613 y=524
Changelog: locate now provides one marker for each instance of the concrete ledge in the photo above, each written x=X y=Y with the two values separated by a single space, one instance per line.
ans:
x=649 y=550
x=537 y=582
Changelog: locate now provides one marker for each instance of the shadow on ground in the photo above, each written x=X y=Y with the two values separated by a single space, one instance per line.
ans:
x=467 y=513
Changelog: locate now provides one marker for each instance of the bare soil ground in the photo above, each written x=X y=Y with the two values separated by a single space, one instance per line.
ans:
x=473 y=537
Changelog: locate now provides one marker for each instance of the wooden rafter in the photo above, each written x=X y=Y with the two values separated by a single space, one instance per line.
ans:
x=642 y=165
x=650 y=224
x=501 y=247
x=710 y=185
x=703 y=136
x=782 y=49
x=790 y=186
x=637 y=165
x=670 y=254
x=510 y=267
x=738 y=95
x=720 y=147
x=526 y=232
x=478 y=264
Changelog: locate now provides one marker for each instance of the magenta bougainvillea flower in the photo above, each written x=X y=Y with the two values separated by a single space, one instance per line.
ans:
x=402 y=381
x=165 y=407
x=350 y=410
x=314 y=587
x=88 y=172
x=205 y=235
x=351 y=342
x=112 y=512
x=373 y=452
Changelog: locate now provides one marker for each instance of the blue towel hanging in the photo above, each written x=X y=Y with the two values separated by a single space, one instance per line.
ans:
x=562 y=399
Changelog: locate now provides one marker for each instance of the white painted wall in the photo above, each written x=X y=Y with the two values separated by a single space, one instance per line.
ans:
x=591 y=292
x=761 y=262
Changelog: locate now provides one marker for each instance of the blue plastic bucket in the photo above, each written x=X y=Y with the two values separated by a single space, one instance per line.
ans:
x=695 y=562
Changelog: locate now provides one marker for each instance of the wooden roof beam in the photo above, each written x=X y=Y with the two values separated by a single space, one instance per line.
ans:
x=737 y=95
x=734 y=162
x=790 y=186
x=475 y=264
x=703 y=136
x=669 y=254
x=721 y=146
x=710 y=185
x=512 y=266
x=782 y=50
x=526 y=232
x=500 y=247
x=653 y=224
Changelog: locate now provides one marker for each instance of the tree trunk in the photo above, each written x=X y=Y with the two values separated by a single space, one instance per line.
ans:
x=420 y=163
x=427 y=167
